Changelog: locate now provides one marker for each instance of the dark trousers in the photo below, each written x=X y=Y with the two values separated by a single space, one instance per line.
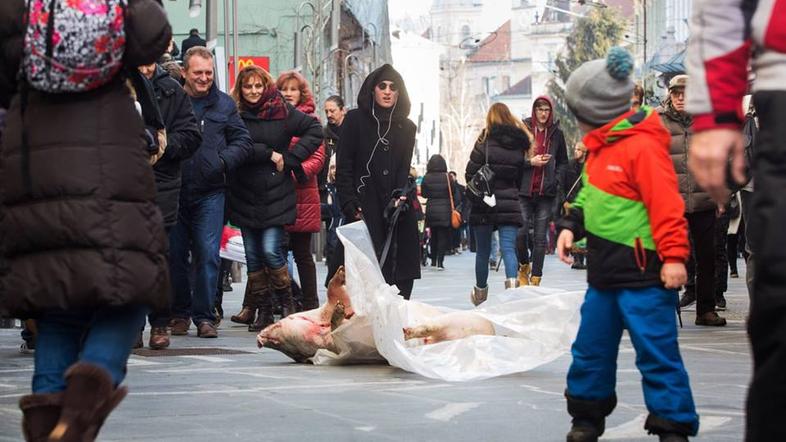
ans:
x=440 y=243
x=766 y=235
x=538 y=209
x=701 y=226
x=300 y=244
x=161 y=317
x=721 y=255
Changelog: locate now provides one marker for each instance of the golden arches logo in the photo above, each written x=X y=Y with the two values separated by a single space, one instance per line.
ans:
x=245 y=63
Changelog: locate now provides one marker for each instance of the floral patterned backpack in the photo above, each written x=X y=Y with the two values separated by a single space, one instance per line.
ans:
x=73 y=45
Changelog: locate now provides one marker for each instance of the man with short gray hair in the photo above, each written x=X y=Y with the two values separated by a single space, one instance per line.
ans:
x=226 y=144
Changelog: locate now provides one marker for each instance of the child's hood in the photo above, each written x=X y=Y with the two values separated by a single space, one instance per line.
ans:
x=645 y=121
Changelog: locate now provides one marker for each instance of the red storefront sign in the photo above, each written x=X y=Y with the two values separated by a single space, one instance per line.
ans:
x=243 y=61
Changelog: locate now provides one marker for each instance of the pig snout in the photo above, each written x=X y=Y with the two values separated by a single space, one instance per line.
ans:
x=270 y=335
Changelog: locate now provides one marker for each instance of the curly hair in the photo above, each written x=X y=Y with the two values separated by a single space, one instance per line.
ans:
x=302 y=84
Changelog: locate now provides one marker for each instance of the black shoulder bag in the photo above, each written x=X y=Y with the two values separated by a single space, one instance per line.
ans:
x=482 y=182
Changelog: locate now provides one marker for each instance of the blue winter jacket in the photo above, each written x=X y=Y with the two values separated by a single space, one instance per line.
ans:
x=224 y=138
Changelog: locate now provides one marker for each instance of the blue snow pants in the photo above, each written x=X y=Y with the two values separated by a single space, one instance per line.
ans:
x=649 y=316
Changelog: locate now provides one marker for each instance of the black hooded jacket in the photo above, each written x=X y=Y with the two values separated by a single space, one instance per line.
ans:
x=370 y=172
x=506 y=146
x=435 y=188
x=183 y=139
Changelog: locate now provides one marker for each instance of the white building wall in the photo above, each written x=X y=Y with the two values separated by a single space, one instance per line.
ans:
x=417 y=59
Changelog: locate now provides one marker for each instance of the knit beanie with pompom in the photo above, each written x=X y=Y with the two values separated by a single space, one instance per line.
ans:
x=600 y=90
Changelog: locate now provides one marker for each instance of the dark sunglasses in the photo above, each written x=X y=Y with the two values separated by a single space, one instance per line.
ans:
x=383 y=86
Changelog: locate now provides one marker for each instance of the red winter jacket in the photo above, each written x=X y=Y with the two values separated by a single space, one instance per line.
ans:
x=309 y=218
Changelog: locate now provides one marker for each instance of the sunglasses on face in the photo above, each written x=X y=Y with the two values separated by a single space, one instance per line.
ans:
x=384 y=86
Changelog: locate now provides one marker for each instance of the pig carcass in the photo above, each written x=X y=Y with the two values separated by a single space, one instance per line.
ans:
x=300 y=335
x=449 y=327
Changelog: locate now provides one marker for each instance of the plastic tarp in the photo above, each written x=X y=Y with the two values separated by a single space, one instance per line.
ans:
x=533 y=325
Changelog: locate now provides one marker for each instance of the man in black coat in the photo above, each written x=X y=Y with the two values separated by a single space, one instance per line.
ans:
x=182 y=140
x=372 y=175
x=193 y=40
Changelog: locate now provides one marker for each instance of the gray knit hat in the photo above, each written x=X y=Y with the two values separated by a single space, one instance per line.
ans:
x=600 y=90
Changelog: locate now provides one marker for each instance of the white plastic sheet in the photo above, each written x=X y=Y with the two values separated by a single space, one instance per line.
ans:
x=533 y=325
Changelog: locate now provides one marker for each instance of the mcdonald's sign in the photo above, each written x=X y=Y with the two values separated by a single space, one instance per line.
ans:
x=243 y=61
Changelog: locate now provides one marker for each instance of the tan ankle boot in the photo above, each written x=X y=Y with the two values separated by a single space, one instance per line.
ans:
x=511 y=283
x=523 y=275
x=479 y=295
x=534 y=280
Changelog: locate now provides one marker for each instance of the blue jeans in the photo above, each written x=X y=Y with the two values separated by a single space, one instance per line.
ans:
x=649 y=314
x=538 y=209
x=264 y=248
x=198 y=235
x=101 y=337
x=507 y=242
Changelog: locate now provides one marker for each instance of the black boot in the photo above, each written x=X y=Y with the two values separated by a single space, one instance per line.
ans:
x=282 y=289
x=264 y=313
x=259 y=297
x=40 y=413
x=589 y=417
x=688 y=298
x=668 y=431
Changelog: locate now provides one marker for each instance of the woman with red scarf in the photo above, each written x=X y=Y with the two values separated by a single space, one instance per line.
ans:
x=262 y=198
x=295 y=90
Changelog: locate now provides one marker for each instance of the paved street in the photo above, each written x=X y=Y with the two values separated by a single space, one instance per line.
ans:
x=247 y=394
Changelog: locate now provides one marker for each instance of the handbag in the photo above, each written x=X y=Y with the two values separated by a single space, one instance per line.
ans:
x=482 y=182
x=455 y=215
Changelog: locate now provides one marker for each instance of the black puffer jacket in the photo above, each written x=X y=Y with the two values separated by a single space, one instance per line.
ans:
x=183 y=139
x=259 y=195
x=507 y=146
x=86 y=233
x=435 y=188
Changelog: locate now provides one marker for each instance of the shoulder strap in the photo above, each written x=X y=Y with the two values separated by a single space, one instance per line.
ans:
x=487 y=150
x=450 y=192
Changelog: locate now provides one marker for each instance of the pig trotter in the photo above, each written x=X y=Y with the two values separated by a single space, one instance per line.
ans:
x=338 y=316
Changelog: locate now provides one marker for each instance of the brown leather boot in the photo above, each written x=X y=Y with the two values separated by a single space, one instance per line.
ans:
x=259 y=282
x=282 y=289
x=40 y=415
x=159 y=338
x=248 y=312
x=89 y=397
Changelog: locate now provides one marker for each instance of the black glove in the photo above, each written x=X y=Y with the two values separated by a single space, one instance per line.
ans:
x=151 y=141
x=294 y=165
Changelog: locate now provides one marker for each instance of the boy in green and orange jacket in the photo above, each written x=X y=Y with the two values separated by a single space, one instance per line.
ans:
x=631 y=213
